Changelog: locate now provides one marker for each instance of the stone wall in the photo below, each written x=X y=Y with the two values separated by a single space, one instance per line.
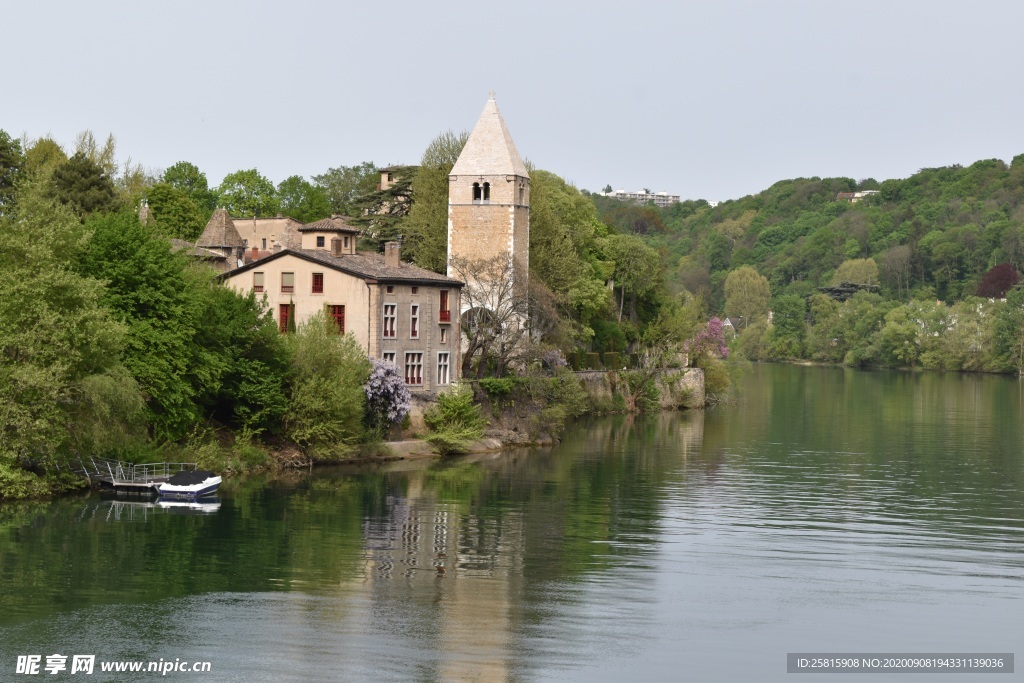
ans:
x=678 y=387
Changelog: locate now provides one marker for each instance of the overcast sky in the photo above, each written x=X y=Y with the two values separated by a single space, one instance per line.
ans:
x=711 y=100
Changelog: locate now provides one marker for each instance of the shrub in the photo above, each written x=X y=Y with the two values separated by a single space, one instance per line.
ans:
x=498 y=387
x=593 y=361
x=612 y=360
x=387 y=398
x=454 y=421
x=325 y=410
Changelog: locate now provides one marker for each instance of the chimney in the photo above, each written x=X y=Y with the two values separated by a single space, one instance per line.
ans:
x=255 y=253
x=276 y=248
x=392 y=254
x=335 y=246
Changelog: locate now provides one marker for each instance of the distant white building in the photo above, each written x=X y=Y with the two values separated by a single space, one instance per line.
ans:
x=643 y=196
x=854 y=197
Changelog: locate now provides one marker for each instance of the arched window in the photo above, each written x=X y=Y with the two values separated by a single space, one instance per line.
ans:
x=487 y=192
x=476 y=192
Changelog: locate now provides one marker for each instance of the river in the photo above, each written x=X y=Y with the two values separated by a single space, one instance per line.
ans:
x=828 y=510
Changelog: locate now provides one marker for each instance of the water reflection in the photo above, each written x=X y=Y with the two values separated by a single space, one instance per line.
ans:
x=828 y=509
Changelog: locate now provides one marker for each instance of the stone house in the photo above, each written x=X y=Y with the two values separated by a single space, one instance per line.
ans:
x=264 y=234
x=398 y=311
x=220 y=237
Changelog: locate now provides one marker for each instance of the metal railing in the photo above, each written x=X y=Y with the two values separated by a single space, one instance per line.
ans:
x=115 y=470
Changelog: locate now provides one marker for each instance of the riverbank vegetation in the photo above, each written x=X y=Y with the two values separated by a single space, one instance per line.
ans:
x=114 y=343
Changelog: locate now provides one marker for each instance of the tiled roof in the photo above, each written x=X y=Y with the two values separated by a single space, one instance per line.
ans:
x=365 y=265
x=332 y=224
x=489 y=149
x=220 y=232
x=193 y=250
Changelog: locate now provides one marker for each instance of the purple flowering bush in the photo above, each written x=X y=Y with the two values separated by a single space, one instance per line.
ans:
x=709 y=342
x=387 y=398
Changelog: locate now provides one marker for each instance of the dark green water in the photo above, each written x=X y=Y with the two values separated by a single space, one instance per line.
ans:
x=828 y=511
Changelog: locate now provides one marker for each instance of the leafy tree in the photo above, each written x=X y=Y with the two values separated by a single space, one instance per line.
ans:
x=302 y=200
x=84 y=186
x=328 y=371
x=63 y=390
x=747 y=294
x=1009 y=330
x=43 y=156
x=426 y=226
x=187 y=178
x=344 y=186
x=863 y=271
x=238 y=343
x=148 y=291
x=998 y=280
x=104 y=156
x=248 y=194
x=12 y=163
x=382 y=212
x=789 y=327
x=637 y=268
x=174 y=213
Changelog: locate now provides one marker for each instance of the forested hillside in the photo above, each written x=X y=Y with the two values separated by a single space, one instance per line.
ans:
x=937 y=238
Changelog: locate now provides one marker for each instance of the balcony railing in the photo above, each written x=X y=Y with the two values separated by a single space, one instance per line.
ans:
x=444 y=316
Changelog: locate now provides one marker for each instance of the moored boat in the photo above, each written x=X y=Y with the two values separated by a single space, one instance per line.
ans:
x=193 y=484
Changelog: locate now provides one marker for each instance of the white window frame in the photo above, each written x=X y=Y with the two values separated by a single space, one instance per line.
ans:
x=444 y=367
x=389 y=356
x=414 y=321
x=390 y=319
x=414 y=362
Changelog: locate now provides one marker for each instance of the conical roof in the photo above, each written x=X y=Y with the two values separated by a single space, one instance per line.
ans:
x=489 y=149
x=220 y=232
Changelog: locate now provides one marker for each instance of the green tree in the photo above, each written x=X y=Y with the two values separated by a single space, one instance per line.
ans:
x=426 y=226
x=747 y=294
x=789 y=326
x=174 y=213
x=104 y=156
x=43 y=156
x=344 y=186
x=63 y=390
x=328 y=371
x=148 y=291
x=189 y=179
x=247 y=194
x=83 y=185
x=236 y=338
x=302 y=200
x=12 y=163
x=381 y=213
x=1009 y=331
x=861 y=271
x=637 y=268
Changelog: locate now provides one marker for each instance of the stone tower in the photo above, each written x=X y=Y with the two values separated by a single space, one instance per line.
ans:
x=489 y=197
